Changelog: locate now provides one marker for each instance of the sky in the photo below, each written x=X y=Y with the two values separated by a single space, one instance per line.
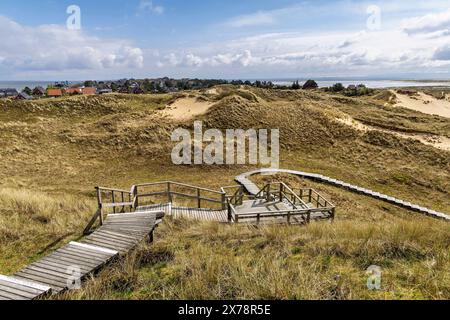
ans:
x=229 y=39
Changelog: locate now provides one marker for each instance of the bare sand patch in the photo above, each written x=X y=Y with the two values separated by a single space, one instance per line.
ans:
x=424 y=103
x=186 y=108
x=440 y=142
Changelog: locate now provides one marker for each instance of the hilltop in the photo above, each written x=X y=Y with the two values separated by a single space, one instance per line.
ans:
x=54 y=151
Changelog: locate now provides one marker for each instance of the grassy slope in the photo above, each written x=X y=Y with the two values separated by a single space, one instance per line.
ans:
x=58 y=150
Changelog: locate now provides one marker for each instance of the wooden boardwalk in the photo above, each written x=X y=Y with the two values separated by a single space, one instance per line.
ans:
x=65 y=268
x=200 y=214
x=16 y=289
x=188 y=213
x=253 y=189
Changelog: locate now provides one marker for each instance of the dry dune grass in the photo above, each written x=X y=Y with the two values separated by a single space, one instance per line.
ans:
x=55 y=151
x=322 y=261
x=31 y=220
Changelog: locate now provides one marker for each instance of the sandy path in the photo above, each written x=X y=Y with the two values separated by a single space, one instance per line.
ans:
x=424 y=103
x=439 y=142
x=186 y=108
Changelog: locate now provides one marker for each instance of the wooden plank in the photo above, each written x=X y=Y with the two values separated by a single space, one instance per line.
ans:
x=82 y=255
x=107 y=245
x=58 y=267
x=29 y=284
x=130 y=240
x=87 y=253
x=77 y=259
x=6 y=284
x=44 y=274
x=55 y=285
x=104 y=251
x=24 y=294
x=12 y=296
x=111 y=239
x=115 y=234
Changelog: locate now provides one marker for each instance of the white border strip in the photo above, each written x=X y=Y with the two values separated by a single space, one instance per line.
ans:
x=94 y=248
x=24 y=283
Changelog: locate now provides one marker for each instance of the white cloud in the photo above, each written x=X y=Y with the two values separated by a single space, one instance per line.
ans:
x=255 y=19
x=55 y=48
x=442 y=53
x=428 y=23
x=338 y=53
x=149 y=6
x=243 y=59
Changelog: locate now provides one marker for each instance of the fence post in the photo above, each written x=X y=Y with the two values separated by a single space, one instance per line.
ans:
x=135 y=197
x=230 y=214
x=113 y=200
x=224 y=201
x=100 y=206
x=281 y=192
x=199 y=200
x=169 y=192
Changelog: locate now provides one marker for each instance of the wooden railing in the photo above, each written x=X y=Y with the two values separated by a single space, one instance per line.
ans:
x=169 y=190
x=312 y=197
x=280 y=191
x=235 y=196
x=116 y=200
x=112 y=200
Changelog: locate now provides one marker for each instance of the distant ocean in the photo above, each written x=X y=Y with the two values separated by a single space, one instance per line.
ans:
x=375 y=84
x=20 y=85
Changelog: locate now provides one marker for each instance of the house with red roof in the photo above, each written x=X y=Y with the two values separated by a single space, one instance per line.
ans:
x=54 y=92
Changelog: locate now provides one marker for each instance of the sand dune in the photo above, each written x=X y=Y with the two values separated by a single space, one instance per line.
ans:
x=424 y=103
x=186 y=108
x=439 y=142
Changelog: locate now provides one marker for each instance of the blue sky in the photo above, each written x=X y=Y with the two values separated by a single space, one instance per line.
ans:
x=225 y=39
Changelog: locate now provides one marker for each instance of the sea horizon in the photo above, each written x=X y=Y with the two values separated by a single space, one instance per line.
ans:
x=322 y=82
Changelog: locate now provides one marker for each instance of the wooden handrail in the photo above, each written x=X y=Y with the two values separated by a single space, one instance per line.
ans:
x=177 y=184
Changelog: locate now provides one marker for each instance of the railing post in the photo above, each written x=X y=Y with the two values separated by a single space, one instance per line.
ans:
x=268 y=191
x=135 y=197
x=224 y=201
x=199 y=200
x=169 y=192
x=258 y=219
x=113 y=196
x=100 y=206
x=281 y=192
x=230 y=214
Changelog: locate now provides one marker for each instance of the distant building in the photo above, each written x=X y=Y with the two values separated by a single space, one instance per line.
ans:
x=73 y=91
x=8 y=92
x=54 y=92
x=23 y=96
x=352 y=87
x=104 y=91
x=88 y=90
x=39 y=91
x=138 y=90
x=123 y=90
